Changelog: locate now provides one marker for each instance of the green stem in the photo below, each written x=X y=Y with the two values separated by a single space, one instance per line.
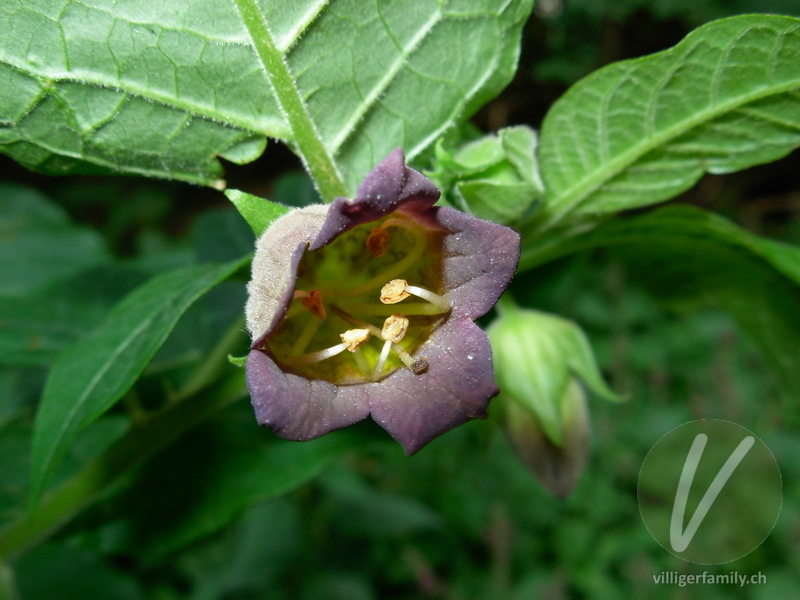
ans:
x=318 y=162
x=139 y=444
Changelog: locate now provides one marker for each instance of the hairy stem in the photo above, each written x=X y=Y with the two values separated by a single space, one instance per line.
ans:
x=318 y=162
x=139 y=444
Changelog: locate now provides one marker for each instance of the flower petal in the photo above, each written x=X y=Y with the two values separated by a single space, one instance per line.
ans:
x=457 y=387
x=297 y=408
x=278 y=253
x=480 y=258
x=390 y=186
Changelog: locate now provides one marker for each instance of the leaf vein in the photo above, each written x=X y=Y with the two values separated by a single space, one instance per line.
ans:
x=270 y=127
x=382 y=85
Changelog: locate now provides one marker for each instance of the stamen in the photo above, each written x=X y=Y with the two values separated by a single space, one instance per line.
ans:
x=351 y=340
x=394 y=328
x=305 y=337
x=379 y=366
x=354 y=338
x=379 y=238
x=398 y=268
x=312 y=300
x=418 y=367
x=378 y=242
x=361 y=363
x=428 y=295
x=357 y=322
x=315 y=357
x=410 y=309
x=398 y=290
x=394 y=291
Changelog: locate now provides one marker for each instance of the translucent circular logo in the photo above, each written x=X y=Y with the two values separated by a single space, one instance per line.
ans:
x=710 y=491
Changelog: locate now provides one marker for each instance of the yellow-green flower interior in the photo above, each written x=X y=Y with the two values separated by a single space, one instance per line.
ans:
x=348 y=276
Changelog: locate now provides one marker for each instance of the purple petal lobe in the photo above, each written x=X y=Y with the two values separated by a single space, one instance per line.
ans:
x=297 y=408
x=278 y=252
x=457 y=387
x=388 y=187
x=385 y=181
x=480 y=258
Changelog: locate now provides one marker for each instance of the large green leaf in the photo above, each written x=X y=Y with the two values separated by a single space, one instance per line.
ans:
x=641 y=131
x=90 y=376
x=680 y=222
x=164 y=87
x=36 y=328
x=689 y=257
x=241 y=465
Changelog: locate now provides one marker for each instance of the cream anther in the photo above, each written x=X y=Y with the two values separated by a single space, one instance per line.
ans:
x=354 y=338
x=394 y=291
x=398 y=290
x=394 y=328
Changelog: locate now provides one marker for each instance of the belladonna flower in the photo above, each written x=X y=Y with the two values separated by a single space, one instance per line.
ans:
x=366 y=307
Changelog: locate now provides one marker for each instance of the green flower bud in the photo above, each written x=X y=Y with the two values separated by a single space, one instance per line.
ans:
x=495 y=177
x=542 y=363
x=557 y=467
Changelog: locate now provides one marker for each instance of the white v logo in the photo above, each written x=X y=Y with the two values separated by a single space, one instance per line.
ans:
x=679 y=539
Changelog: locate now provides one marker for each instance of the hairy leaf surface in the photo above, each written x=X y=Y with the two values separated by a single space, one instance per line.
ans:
x=641 y=131
x=166 y=87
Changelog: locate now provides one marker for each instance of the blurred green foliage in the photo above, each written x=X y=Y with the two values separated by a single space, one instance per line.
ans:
x=464 y=519
x=212 y=517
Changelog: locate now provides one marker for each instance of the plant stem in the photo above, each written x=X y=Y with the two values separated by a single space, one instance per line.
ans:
x=138 y=445
x=318 y=162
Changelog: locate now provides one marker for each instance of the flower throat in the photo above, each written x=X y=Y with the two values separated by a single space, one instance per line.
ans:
x=363 y=304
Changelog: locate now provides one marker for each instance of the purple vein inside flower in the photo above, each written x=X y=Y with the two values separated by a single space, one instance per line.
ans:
x=348 y=322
